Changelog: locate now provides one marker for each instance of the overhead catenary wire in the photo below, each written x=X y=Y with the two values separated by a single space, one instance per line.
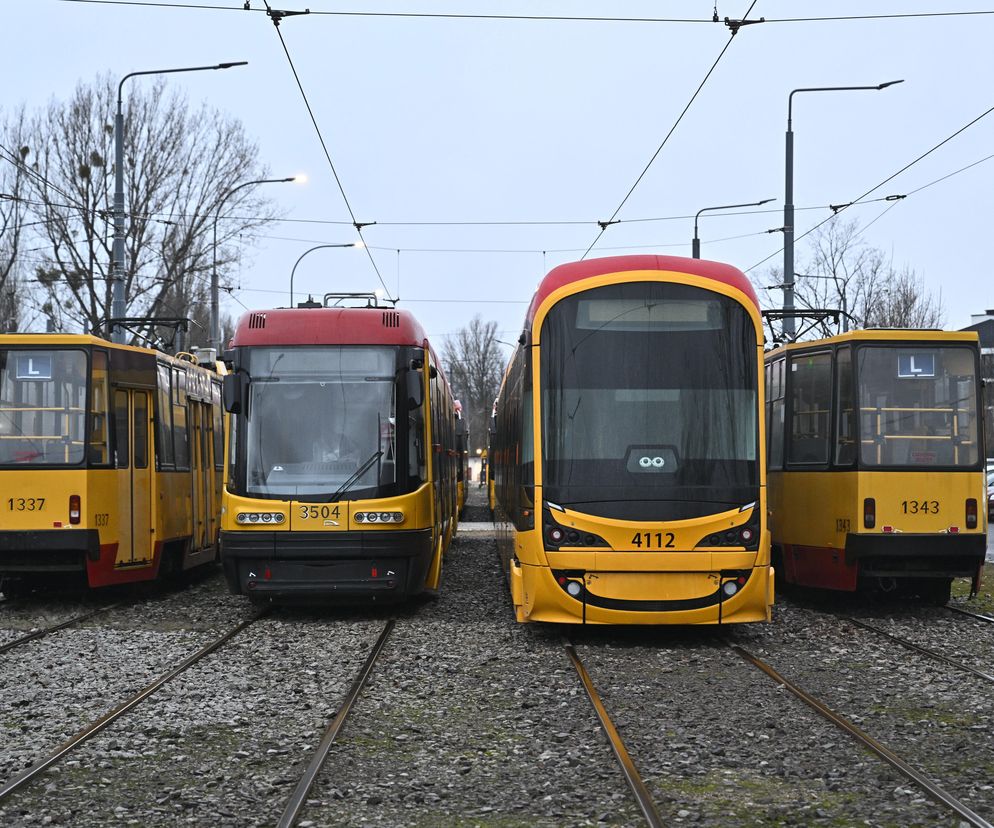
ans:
x=324 y=146
x=604 y=225
x=536 y=17
x=889 y=178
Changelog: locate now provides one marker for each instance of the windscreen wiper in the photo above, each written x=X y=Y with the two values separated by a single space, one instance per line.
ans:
x=359 y=472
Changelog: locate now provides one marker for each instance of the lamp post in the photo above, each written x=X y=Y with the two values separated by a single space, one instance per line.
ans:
x=215 y=331
x=118 y=307
x=788 y=202
x=696 y=244
x=311 y=250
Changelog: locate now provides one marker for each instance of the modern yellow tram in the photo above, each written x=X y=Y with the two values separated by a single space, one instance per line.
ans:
x=341 y=480
x=628 y=452
x=876 y=461
x=110 y=462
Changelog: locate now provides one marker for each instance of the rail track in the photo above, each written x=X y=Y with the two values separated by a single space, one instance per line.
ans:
x=925 y=651
x=24 y=639
x=638 y=788
x=918 y=777
x=976 y=616
x=39 y=767
x=299 y=796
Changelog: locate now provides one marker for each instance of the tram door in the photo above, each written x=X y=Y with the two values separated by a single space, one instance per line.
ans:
x=134 y=497
x=199 y=475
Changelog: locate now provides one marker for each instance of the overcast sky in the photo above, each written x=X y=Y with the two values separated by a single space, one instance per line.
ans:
x=454 y=120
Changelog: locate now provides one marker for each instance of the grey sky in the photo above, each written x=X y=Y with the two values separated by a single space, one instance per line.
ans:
x=476 y=120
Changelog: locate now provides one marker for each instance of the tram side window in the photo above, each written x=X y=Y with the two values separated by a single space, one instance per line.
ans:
x=181 y=438
x=416 y=470
x=774 y=406
x=811 y=408
x=141 y=429
x=846 y=441
x=218 y=426
x=164 y=421
x=98 y=449
x=121 y=460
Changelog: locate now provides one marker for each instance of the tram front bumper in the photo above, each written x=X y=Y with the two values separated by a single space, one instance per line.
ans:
x=33 y=552
x=905 y=555
x=340 y=566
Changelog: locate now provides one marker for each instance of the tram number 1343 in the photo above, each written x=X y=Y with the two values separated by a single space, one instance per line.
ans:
x=927 y=507
x=319 y=512
x=654 y=540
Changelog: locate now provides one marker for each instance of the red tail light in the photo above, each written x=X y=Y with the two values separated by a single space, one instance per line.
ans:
x=74 y=509
x=971 y=513
x=869 y=513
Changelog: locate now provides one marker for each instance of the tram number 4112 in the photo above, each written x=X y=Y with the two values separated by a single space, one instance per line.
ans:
x=654 y=540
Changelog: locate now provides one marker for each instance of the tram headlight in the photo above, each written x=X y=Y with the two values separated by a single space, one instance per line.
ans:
x=378 y=517
x=259 y=517
x=729 y=588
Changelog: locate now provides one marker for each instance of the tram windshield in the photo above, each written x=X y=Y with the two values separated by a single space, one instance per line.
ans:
x=918 y=405
x=42 y=407
x=649 y=395
x=318 y=415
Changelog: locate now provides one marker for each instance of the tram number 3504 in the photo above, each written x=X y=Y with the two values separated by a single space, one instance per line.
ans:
x=654 y=540
x=315 y=512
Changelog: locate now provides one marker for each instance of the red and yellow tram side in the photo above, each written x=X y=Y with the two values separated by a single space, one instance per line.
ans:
x=110 y=461
x=876 y=460
x=628 y=451
x=341 y=482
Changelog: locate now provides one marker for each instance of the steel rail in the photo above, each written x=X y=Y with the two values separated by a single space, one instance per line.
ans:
x=923 y=650
x=299 y=795
x=930 y=787
x=974 y=615
x=30 y=773
x=632 y=777
x=24 y=639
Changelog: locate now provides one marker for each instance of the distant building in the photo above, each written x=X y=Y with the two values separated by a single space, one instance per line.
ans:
x=983 y=324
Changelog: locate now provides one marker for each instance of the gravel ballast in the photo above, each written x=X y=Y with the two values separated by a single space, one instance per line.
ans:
x=472 y=719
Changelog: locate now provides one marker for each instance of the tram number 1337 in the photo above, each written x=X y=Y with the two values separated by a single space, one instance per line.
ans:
x=319 y=512
x=653 y=540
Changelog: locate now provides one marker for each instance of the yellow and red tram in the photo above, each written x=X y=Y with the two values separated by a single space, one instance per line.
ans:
x=341 y=482
x=110 y=462
x=628 y=451
x=876 y=461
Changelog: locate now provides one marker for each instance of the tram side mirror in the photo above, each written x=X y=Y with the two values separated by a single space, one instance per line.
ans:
x=415 y=390
x=234 y=389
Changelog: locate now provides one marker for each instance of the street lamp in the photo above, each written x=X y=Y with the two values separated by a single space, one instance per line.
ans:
x=359 y=244
x=118 y=305
x=215 y=324
x=696 y=244
x=788 y=205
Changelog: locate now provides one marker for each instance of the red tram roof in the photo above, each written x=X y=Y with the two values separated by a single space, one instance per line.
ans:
x=328 y=326
x=577 y=271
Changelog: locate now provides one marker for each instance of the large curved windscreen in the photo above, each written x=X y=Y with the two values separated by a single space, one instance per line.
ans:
x=918 y=406
x=648 y=400
x=42 y=407
x=320 y=421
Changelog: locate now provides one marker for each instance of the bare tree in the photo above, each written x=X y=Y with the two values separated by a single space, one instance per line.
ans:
x=844 y=273
x=180 y=165
x=12 y=220
x=474 y=365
